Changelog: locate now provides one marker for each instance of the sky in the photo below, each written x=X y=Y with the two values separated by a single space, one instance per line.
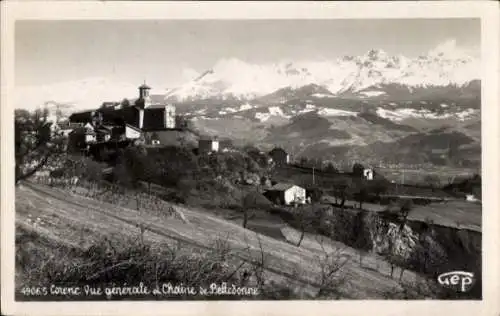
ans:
x=161 y=51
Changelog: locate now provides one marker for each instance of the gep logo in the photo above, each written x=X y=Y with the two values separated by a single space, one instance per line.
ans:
x=461 y=281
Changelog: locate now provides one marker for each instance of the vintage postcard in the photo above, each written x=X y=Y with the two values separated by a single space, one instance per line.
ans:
x=256 y=158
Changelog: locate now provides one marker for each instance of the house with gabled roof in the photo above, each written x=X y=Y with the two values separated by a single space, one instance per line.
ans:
x=207 y=144
x=286 y=194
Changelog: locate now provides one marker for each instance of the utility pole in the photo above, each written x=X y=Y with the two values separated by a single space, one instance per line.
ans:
x=313 y=175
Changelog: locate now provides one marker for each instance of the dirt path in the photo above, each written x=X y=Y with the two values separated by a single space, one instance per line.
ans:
x=77 y=219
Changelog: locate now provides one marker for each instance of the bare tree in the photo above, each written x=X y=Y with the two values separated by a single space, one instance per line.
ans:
x=36 y=144
x=253 y=201
x=330 y=264
x=362 y=242
x=125 y=103
x=302 y=217
x=340 y=190
x=361 y=196
x=405 y=209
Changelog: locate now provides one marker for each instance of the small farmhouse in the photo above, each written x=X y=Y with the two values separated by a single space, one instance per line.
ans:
x=66 y=128
x=471 y=198
x=368 y=173
x=80 y=137
x=279 y=156
x=208 y=144
x=89 y=134
x=103 y=132
x=285 y=193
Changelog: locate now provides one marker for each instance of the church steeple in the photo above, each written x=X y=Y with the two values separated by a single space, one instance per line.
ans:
x=144 y=98
x=144 y=90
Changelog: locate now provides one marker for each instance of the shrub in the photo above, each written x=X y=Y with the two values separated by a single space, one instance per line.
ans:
x=129 y=260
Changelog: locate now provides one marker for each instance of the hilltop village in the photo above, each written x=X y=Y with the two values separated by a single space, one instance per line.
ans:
x=139 y=121
x=154 y=124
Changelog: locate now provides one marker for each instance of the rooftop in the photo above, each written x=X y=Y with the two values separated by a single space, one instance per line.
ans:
x=281 y=186
x=69 y=125
x=209 y=138
x=277 y=149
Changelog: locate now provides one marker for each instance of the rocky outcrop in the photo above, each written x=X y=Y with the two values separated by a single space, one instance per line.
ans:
x=428 y=249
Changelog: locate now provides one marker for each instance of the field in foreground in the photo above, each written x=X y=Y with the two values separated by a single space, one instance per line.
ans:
x=60 y=218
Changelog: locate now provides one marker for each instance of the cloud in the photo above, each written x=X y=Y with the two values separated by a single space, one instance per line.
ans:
x=450 y=48
x=189 y=74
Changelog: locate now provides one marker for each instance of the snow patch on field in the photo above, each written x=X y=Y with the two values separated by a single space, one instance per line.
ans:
x=262 y=116
x=276 y=110
x=401 y=114
x=335 y=112
x=465 y=114
x=305 y=111
x=272 y=111
x=373 y=93
x=321 y=95
x=390 y=115
x=245 y=106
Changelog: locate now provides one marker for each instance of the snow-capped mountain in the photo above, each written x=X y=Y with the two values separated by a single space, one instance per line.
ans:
x=364 y=76
x=374 y=75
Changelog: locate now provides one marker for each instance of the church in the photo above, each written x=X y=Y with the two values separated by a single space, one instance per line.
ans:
x=141 y=113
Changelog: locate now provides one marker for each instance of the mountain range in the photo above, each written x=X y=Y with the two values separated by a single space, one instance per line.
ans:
x=352 y=107
x=367 y=75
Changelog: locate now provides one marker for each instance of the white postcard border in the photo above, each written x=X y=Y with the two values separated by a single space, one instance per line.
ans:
x=106 y=10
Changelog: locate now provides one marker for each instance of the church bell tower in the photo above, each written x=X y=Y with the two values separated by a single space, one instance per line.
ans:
x=144 y=100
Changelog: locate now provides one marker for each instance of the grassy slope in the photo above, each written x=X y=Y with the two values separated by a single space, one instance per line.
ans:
x=457 y=214
x=65 y=216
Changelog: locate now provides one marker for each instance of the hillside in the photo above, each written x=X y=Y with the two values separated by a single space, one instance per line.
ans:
x=63 y=217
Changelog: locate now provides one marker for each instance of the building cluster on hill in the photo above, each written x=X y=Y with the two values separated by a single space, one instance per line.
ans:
x=129 y=120
x=150 y=121
x=146 y=119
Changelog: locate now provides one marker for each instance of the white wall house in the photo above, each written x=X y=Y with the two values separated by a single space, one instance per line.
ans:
x=90 y=138
x=90 y=135
x=132 y=132
x=471 y=198
x=295 y=194
x=208 y=145
x=284 y=193
x=368 y=174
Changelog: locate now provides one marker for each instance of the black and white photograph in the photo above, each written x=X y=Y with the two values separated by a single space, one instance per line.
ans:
x=248 y=159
